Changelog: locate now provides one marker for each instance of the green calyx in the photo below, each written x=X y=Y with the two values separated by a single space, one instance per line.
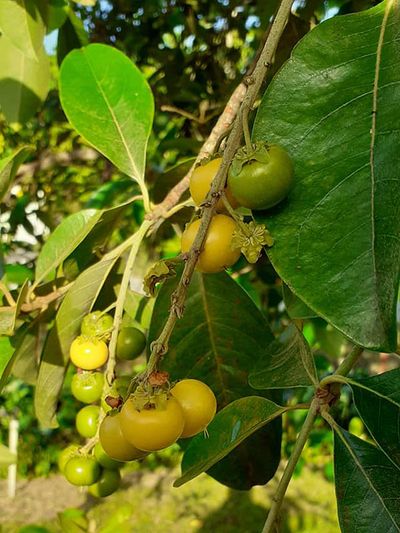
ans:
x=251 y=238
x=259 y=152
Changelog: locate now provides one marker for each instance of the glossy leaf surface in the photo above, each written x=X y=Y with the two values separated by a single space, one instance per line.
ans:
x=230 y=427
x=378 y=401
x=339 y=229
x=290 y=364
x=367 y=486
x=108 y=101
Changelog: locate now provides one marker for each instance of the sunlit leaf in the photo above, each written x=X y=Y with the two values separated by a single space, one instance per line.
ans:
x=108 y=101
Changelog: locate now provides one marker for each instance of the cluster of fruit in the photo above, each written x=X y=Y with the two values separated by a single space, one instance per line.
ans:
x=258 y=179
x=89 y=352
x=150 y=419
x=149 y=422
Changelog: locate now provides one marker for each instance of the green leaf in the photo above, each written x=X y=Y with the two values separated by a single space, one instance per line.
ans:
x=230 y=427
x=71 y=35
x=77 y=234
x=27 y=353
x=290 y=364
x=6 y=457
x=6 y=353
x=108 y=101
x=64 y=239
x=76 y=304
x=8 y=315
x=378 y=401
x=218 y=340
x=367 y=486
x=295 y=307
x=337 y=237
x=9 y=166
x=22 y=24
x=24 y=81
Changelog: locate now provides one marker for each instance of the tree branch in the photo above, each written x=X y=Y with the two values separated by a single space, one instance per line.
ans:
x=251 y=88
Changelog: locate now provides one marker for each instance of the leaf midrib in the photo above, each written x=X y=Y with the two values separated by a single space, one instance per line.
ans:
x=360 y=467
x=136 y=174
x=214 y=351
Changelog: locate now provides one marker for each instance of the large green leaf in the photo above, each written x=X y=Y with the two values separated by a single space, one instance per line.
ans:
x=80 y=233
x=22 y=24
x=24 y=81
x=76 y=304
x=367 y=486
x=9 y=166
x=290 y=364
x=108 y=101
x=337 y=238
x=230 y=427
x=378 y=401
x=220 y=337
x=63 y=241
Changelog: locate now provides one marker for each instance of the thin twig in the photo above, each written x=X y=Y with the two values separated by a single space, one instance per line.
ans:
x=42 y=302
x=277 y=499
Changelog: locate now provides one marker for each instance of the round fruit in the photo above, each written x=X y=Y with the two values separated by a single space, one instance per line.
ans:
x=87 y=420
x=200 y=183
x=113 y=441
x=261 y=185
x=87 y=386
x=153 y=428
x=82 y=470
x=107 y=484
x=88 y=353
x=96 y=324
x=198 y=403
x=104 y=459
x=65 y=455
x=131 y=343
x=217 y=253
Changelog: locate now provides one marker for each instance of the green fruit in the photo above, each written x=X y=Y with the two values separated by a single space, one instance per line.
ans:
x=82 y=470
x=107 y=484
x=87 y=420
x=356 y=426
x=87 y=386
x=131 y=343
x=261 y=179
x=104 y=459
x=65 y=455
x=96 y=324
